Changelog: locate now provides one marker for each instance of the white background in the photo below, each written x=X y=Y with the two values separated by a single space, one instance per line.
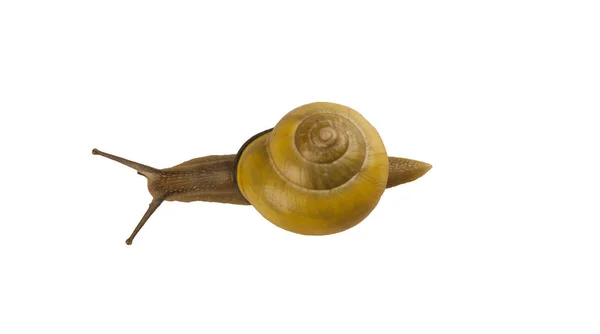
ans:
x=501 y=236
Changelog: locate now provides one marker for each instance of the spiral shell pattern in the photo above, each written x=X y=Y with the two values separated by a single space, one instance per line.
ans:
x=317 y=147
x=321 y=170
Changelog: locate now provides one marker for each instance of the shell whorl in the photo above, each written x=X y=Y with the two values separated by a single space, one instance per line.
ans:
x=318 y=146
x=321 y=170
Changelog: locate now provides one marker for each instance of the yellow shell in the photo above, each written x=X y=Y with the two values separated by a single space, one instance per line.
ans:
x=321 y=170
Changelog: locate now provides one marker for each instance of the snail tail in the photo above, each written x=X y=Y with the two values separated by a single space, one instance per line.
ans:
x=404 y=170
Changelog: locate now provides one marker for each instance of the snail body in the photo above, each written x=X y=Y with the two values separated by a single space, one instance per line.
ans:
x=321 y=170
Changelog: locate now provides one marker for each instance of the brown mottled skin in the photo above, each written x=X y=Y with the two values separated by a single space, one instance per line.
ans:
x=405 y=170
x=207 y=179
x=210 y=179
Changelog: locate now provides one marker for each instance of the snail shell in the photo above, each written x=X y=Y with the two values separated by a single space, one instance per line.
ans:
x=321 y=170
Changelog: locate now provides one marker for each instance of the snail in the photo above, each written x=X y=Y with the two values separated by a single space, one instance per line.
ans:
x=321 y=170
